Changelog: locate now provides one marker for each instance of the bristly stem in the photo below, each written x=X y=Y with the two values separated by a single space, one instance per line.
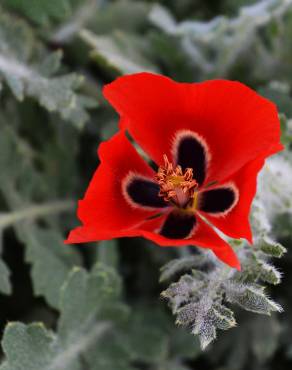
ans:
x=35 y=211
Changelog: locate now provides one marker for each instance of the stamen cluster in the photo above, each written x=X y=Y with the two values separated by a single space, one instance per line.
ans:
x=175 y=185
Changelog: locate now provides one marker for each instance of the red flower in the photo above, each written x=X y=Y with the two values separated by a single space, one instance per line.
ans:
x=209 y=141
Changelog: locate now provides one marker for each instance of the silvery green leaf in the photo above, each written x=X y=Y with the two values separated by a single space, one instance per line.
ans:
x=251 y=297
x=50 y=260
x=271 y=248
x=82 y=326
x=118 y=52
x=180 y=265
x=29 y=71
x=223 y=317
x=269 y=273
x=28 y=347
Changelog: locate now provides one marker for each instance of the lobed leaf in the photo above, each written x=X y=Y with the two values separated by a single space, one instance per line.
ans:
x=29 y=71
x=119 y=52
x=251 y=298
x=81 y=328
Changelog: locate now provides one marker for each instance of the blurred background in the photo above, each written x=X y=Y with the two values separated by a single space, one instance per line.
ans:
x=55 y=56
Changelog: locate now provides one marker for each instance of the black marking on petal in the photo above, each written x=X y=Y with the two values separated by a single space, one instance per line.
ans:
x=218 y=201
x=141 y=192
x=191 y=151
x=178 y=225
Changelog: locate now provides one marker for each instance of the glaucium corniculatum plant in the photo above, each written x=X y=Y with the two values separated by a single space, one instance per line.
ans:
x=209 y=141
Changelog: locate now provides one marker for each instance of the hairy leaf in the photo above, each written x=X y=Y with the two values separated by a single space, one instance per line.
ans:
x=251 y=298
x=21 y=186
x=119 y=52
x=29 y=71
x=82 y=326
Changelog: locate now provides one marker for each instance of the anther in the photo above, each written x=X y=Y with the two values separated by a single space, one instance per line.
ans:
x=176 y=185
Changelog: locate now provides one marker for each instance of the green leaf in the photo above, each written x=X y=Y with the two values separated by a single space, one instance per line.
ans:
x=125 y=15
x=223 y=317
x=82 y=326
x=28 y=347
x=251 y=298
x=85 y=295
x=151 y=337
x=147 y=334
x=269 y=273
x=205 y=321
x=216 y=46
x=180 y=265
x=271 y=248
x=51 y=261
x=198 y=299
x=119 y=52
x=109 y=354
x=28 y=75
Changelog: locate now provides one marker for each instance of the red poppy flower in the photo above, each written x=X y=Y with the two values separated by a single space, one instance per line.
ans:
x=209 y=141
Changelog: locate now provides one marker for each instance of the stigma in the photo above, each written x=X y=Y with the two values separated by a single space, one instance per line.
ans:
x=176 y=186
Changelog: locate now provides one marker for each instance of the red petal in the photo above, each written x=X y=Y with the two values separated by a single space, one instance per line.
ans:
x=204 y=237
x=104 y=205
x=237 y=124
x=91 y=233
x=236 y=223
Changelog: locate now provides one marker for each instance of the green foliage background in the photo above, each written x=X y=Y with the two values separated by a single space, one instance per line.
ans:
x=97 y=307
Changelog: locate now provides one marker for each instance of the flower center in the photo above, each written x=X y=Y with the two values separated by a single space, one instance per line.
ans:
x=176 y=186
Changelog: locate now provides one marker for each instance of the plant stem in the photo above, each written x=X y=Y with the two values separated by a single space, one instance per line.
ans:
x=35 y=211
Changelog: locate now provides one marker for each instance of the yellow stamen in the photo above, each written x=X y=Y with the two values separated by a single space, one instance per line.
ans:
x=175 y=185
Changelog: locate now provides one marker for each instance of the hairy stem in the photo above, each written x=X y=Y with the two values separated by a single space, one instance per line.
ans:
x=35 y=211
